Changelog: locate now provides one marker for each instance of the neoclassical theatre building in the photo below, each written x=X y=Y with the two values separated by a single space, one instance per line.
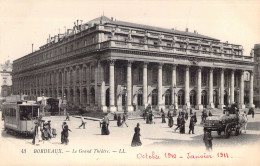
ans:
x=108 y=65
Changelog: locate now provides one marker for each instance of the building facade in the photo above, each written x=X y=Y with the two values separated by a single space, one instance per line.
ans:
x=256 y=53
x=113 y=65
x=6 y=78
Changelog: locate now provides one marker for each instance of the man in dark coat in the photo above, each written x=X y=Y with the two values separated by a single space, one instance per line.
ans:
x=35 y=132
x=163 y=117
x=178 y=123
x=192 y=124
x=119 y=122
x=182 y=127
x=186 y=115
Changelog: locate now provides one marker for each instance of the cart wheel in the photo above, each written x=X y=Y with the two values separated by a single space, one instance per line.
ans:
x=219 y=132
x=227 y=131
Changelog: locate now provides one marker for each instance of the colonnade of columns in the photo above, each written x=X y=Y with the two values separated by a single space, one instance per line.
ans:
x=173 y=87
x=61 y=84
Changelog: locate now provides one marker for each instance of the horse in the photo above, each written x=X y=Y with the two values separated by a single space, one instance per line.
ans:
x=242 y=120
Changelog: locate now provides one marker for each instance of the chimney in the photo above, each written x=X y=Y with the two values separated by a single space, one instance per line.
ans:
x=32 y=47
x=77 y=23
x=187 y=29
x=195 y=31
x=111 y=18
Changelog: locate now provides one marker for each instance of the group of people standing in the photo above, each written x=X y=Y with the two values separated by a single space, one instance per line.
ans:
x=120 y=120
x=181 y=119
x=148 y=115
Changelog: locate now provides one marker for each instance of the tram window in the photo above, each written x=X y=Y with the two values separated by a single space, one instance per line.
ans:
x=28 y=112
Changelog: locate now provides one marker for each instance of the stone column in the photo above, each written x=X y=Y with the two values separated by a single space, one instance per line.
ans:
x=112 y=107
x=251 y=90
x=174 y=86
x=80 y=84
x=232 y=87
x=160 y=102
x=221 y=98
x=58 y=82
x=130 y=108
x=145 y=102
x=242 y=90
x=63 y=83
x=211 y=104
x=187 y=88
x=199 y=106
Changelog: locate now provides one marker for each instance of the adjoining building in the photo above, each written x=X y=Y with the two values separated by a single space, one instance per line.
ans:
x=256 y=53
x=6 y=79
x=110 y=65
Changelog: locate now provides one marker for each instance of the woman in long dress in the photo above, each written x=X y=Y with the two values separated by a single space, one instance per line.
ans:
x=136 y=138
x=105 y=124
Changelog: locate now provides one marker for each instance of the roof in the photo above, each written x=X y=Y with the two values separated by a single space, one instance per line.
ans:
x=98 y=19
x=134 y=25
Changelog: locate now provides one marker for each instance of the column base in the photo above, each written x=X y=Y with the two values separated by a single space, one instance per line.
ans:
x=103 y=109
x=112 y=109
x=251 y=106
x=172 y=106
x=242 y=106
x=221 y=106
x=199 y=107
x=211 y=105
x=130 y=108
x=186 y=106
x=145 y=105
x=159 y=107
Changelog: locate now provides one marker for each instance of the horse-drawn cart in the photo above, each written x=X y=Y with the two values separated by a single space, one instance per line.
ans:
x=227 y=123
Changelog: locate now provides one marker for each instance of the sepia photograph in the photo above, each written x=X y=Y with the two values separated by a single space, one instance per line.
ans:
x=121 y=82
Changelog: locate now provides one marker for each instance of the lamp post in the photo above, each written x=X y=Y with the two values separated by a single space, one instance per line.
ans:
x=174 y=87
x=125 y=99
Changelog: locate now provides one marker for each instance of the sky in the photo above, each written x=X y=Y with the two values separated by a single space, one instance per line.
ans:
x=27 y=22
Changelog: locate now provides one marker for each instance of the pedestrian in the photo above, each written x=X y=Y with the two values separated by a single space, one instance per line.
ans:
x=186 y=115
x=170 y=121
x=207 y=138
x=195 y=117
x=119 y=122
x=253 y=112
x=178 y=123
x=35 y=133
x=150 y=117
x=115 y=116
x=163 y=116
x=124 y=119
x=65 y=134
x=105 y=124
x=203 y=116
x=174 y=112
x=147 y=118
x=67 y=117
x=192 y=124
x=191 y=111
x=83 y=123
x=182 y=127
x=210 y=114
x=48 y=127
x=145 y=113
x=136 y=138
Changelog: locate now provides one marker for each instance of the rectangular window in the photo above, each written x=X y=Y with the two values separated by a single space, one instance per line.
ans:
x=85 y=43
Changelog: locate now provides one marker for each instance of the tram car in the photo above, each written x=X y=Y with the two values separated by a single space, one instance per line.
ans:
x=228 y=122
x=20 y=115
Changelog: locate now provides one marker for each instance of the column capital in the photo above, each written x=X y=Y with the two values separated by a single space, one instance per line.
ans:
x=187 y=68
x=129 y=63
x=145 y=64
x=200 y=68
x=174 y=66
x=160 y=65
x=111 y=61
